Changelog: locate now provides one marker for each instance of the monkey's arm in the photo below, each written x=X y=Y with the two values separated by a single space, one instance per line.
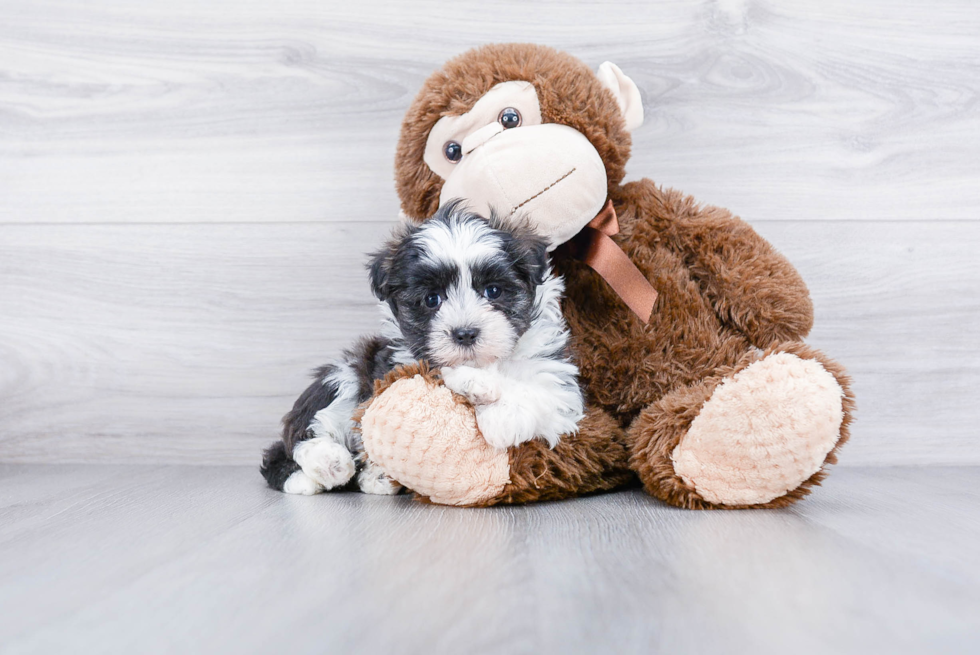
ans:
x=749 y=284
x=427 y=438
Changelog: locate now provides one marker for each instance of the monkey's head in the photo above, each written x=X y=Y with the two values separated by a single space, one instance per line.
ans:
x=522 y=129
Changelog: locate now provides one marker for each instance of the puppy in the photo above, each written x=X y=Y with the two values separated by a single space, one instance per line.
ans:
x=476 y=299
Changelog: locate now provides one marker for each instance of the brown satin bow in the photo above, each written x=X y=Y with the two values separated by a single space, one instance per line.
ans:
x=594 y=247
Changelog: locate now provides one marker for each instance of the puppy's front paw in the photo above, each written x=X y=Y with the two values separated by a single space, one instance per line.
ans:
x=325 y=461
x=503 y=427
x=476 y=385
x=373 y=480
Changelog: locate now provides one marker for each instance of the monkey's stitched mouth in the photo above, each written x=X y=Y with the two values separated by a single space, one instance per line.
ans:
x=543 y=190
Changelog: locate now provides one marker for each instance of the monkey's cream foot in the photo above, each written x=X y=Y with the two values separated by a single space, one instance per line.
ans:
x=762 y=432
x=325 y=461
x=757 y=435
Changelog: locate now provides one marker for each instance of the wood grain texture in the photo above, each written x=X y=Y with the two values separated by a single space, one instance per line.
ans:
x=170 y=343
x=249 y=111
x=187 y=190
x=205 y=560
x=187 y=343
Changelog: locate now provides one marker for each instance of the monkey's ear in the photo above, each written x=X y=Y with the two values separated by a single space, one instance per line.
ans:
x=625 y=91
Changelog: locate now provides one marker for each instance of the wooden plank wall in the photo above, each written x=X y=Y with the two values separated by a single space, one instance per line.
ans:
x=187 y=190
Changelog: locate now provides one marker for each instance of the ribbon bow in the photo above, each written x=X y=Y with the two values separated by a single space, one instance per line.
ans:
x=594 y=247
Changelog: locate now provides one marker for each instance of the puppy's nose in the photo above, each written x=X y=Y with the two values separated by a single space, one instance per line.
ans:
x=465 y=336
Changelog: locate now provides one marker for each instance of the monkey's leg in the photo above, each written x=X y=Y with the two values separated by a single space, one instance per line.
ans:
x=758 y=434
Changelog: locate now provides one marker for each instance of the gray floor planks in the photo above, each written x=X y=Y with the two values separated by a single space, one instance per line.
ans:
x=198 y=559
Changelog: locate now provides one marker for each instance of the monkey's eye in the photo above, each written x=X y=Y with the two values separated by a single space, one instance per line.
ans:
x=509 y=118
x=433 y=300
x=453 y=151
x=492 y=292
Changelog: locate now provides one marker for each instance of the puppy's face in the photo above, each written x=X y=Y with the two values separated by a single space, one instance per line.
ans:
x=461 y=287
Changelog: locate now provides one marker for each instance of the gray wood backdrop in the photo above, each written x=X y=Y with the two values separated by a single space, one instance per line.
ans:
x=187 y=190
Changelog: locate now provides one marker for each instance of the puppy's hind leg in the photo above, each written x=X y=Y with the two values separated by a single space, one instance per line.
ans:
x=283 y=474
x=314 y=455
x=320 y=450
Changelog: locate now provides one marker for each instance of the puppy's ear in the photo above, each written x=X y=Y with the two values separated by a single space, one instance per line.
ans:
x=381 y=263
x=537 y=257
x=530 y=254
x=378 y=269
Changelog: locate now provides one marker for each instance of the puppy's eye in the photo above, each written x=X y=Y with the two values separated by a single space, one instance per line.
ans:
x=453 y=151
x=492 y=292
x=433 y=300
x=509 y=118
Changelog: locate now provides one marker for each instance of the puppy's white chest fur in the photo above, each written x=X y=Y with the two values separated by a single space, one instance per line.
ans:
x=531 y=393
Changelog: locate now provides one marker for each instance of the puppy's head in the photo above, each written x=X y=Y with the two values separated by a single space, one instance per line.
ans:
x=461 y=287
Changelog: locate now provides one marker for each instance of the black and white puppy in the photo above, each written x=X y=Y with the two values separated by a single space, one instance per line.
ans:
x=476 y=299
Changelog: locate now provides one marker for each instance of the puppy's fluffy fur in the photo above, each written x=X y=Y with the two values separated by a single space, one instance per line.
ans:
x=475 y=298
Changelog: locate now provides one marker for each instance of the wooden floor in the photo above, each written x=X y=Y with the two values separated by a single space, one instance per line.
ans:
x=205 y=559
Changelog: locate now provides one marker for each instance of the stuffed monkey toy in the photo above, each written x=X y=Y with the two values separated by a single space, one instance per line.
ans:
x=686 y=325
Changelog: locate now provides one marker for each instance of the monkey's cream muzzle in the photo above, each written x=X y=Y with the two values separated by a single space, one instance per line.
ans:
x=549 y=174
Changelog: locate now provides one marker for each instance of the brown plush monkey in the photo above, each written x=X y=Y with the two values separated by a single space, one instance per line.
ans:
x=712 y=399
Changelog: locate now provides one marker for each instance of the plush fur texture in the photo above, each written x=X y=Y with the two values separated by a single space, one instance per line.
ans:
x=594 y=459
x=724 y=292
x=568 y=91
x=784 y=415
x=659 y=429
